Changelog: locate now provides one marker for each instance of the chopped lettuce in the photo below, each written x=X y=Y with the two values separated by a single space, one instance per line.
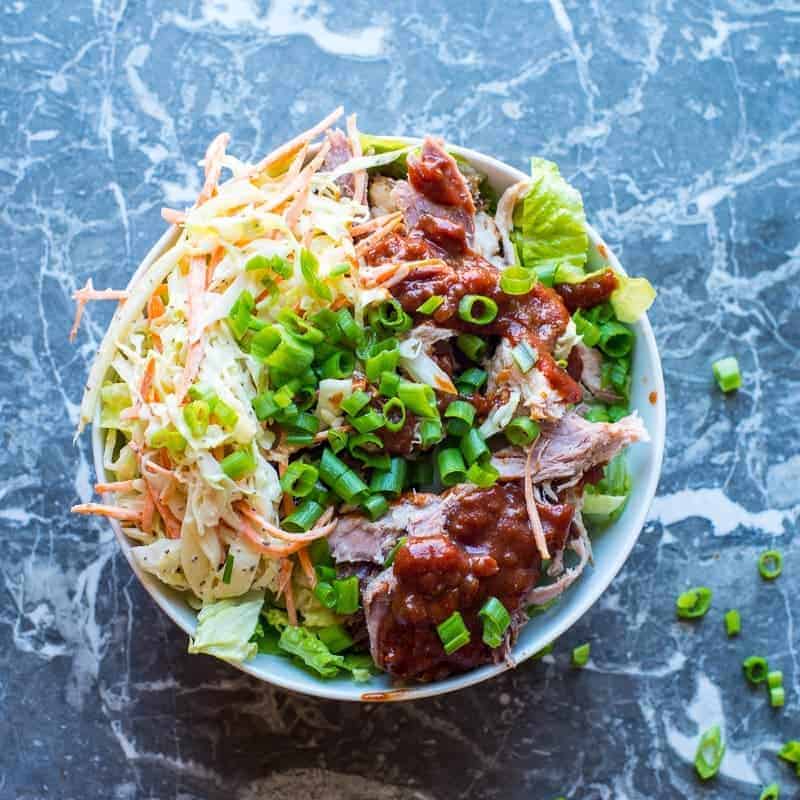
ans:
x=225 y=628
x=632 y=297
x=309 y=648
x=550 y=221
x=605 y=501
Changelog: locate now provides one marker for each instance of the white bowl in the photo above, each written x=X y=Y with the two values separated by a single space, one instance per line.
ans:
x=611 y=548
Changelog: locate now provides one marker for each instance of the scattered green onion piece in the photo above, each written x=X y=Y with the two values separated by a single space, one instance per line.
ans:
x=391 y=315
x=483 y=475
x=733 y=623
x=471 y=380
x=368 y=421
x=546 y=650
x=453 y=633
x=340 y=269
x=392 y=480
x=385 y=361
x=346 y=595
x=496 y=620
x=710 y=751
x=771 y=792
x=568 y=273
x=727 y=374
x=197 y=416
x=774 y=679
x=238 y=464
x=240 y=313
x=418 y=398
x=305 y=422
x=580 y=655
x=516 y=280
x=393 y=552
x=300 y=328
x=616 y=340
x=477 y=309
x=790 y=752
x=320 y=553
x=325 y=593
x=586 y=329
x=265 y=406
x=617 y=412
x=474 y=447
x=283 y=396
x=777 y=697
x=347 y=326
x=431 y=432
x=376 y=505
x=338 y=365
x=331 y=468
x=303 y=517
x=335 y=637
x=353 y=404
x=521 y=431
x=597 y=414
x=421 y=473
x=459 y=415
x=309 y=267
x=473 y=347
x=337 y=439
x=755 y=669
x=169 y=438
x=394 y=414
x=367 y=448
x=431 y=304
x=228 y=570
x=278 y=265
x=694 y=603
x=390 y=382
x=323 y=571
x=770 y=564
x=525 y=356
x=299 y=479
x=350 y=487
x=451 y=466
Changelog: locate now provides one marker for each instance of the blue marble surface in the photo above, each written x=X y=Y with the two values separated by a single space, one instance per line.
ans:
x=679 y=121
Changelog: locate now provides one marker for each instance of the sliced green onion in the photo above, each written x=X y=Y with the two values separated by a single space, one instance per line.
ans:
x=265 y=406
x=597 y=414
x=473 y=446
x=350 y=487
x=496 y=620
x=335 y=637
x=777 y=697
x=240 y=313
x=331 y=468
x=299 y=479
x=320 y=552
x=276 y=263
x=586 y=329
x=340 y=269
x=281 y=350
x=431 y=304
x=771 y=792
x=471 y=380
x=393 y=552
x=516 y=280
x=376 y=506
x=303 y=517
x=385 y=361
x=169 y=438
x=197 y=416
x=392 y=480
x=394 y=414
x=369 y=421
x=727 y=374
x=694 y=603
x=568 y=273
x=337 y=439
x=774 y=679
x=348 y=327
x=473 y=347
x=477 y=309
x=459 y=415
x=770 y=564
x=346 y=595
x=418 y=398
x=483 y=475
x=710 y=751
x=733 y=622
x=305 y=422
x=338 y=365
x=525 y=356
x=300 y=328
x=421 y=473
x=616 y=340
x=392 y=316
x=453 y=633
x=390 y=382
x=326 y=594
x=367 y=447
x=228 y=570
x=431 y=432
x=791 y=752
x=580 y=655
x=755 y=669
x=238 y=464
x=324 y=572
x=451 y=466
x=353 y=404
x=521 y=431
x=309 y=267
x=224 y=414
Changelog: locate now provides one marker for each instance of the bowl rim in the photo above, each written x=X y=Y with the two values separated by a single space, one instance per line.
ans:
x=311 y=686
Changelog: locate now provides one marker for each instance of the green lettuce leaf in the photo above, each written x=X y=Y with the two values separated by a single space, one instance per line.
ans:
x=309 y=648
x=550 y=221
x=225 y=628
x=631 y=298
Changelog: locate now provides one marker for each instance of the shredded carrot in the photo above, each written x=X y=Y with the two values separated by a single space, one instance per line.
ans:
x=385 y=275
x=147 y=513
x=321 y=529
x=379 y=235
x=257 y=543
x=213 y=166
x=87 y=293
x=308 y=568
x=216 y=257
x=172 y=216
x=114 y=486
x=146 y=387
x=300 y=187
x=171 y=523
x=197 y=280
x=339 y=302
x=115 y=512
x=155 y=306
x=376 y=222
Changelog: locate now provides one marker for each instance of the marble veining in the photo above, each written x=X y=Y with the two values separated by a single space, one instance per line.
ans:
x=680 y=123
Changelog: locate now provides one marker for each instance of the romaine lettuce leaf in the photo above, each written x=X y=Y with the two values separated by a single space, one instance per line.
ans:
x=631 y=298
x=550 y=220
x=309 y=648
x=225 y=628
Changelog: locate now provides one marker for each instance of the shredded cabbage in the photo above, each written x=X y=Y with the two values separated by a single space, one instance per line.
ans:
x=225 y=628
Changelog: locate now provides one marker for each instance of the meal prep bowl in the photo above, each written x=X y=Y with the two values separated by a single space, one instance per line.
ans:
x=611 y=546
